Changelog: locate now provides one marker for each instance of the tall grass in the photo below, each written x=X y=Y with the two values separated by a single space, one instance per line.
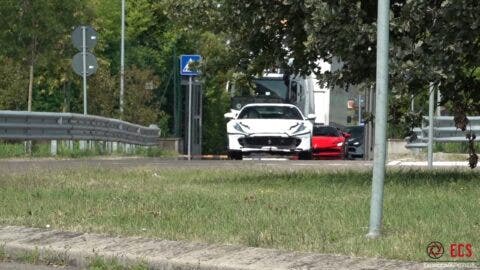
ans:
x=303 y=211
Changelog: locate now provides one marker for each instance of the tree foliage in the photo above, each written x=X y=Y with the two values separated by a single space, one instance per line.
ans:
x=37 y=34
x=12 y=85
x=431 y=41
x=140 y=104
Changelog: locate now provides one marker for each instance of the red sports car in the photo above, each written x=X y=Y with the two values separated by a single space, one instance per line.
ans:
x=329 y=142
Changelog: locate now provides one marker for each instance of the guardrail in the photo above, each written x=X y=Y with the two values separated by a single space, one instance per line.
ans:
x=70 y=126
x=443 y=131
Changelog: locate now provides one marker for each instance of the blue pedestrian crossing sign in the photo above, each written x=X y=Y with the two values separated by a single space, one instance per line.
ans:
x=188 y=63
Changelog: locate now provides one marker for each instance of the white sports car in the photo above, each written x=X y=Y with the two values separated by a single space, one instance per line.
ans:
x=273 y=128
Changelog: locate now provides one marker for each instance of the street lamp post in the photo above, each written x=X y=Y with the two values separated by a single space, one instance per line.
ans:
x=380 y=119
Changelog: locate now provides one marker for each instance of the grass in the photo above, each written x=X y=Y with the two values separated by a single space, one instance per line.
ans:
x=101 y=263
x=454 y=147
x=302 y=211
x=32 y=257
x=3 y=254
x=17 y=150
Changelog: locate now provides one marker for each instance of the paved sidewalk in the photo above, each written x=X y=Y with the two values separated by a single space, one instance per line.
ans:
x=78 y=249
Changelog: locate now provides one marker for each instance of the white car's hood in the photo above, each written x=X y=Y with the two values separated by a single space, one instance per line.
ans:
x=282 y=126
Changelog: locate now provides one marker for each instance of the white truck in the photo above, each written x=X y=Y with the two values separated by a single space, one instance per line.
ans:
x=330 y=106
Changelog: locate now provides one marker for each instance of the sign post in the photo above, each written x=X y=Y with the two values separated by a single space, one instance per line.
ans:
x=84 y=69
x=187 y=68
x=84 y=63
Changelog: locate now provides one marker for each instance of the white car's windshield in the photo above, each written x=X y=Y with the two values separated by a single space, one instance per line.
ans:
x=270 y=112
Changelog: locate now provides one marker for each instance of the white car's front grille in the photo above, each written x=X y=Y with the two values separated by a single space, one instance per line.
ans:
x=279 y=142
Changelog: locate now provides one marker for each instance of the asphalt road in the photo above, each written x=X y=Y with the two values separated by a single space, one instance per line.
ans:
x=23 y=165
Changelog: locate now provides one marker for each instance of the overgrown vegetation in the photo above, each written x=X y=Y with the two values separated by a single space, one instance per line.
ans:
x=17 y=150
x=304 y=210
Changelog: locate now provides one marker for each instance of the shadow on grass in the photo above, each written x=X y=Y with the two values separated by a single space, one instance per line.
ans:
x=405 y=177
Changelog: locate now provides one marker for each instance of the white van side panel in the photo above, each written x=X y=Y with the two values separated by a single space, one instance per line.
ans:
x=322 y=105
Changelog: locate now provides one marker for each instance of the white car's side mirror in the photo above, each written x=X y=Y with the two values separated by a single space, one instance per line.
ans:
x=311 y=116
x=229 y=115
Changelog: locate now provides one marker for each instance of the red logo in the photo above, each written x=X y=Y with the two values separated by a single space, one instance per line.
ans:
x=435 y=250
x=461 y=250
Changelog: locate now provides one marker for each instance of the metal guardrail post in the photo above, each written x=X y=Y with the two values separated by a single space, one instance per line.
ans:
x=53 y=147
x=82 y=145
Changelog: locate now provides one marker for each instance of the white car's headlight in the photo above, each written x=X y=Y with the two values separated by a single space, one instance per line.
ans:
x=340 y=144
x=356 y=143
x=301 y=130
x=240 y=128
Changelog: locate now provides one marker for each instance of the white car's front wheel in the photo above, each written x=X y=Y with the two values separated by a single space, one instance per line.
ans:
x=235 y=155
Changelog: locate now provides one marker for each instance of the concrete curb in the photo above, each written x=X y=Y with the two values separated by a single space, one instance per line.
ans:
x=77 y=249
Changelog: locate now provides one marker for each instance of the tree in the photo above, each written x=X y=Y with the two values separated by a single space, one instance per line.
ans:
x=103 y=92
x=12 y=78
x=36 y=32
x=431 y=41
x=216 y=100
x=140 y=105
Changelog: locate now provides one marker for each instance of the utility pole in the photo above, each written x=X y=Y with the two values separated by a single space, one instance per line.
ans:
x=381 y=95
x=122 y=60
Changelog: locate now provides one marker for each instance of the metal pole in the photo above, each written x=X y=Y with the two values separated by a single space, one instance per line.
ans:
x=28 y=144
x=359 y=109
x=431 y=102
x=189 y=145
x=439 y=108
x=175 y=94
x=122 y=60
x=380 y=119
x=84 y=54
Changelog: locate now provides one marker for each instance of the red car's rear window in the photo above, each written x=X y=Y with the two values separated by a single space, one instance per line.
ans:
x=325 y=131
